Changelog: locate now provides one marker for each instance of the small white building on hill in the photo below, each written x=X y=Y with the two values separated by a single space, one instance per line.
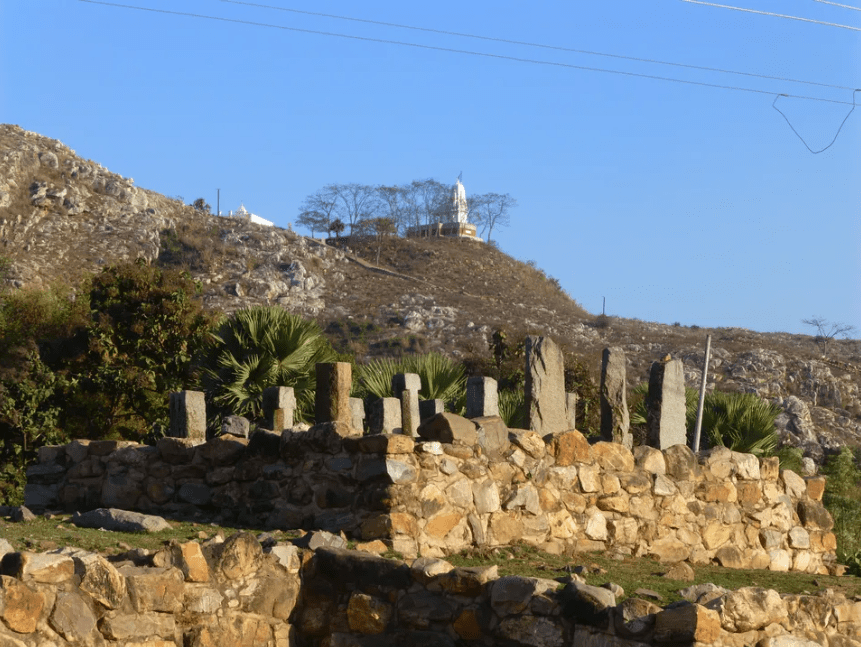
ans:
x=243 y=214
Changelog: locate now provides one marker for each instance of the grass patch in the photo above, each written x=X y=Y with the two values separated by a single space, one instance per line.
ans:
x=634 y=573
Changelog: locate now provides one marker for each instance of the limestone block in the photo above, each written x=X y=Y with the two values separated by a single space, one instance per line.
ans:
x=469 y=580
x=546 y=398
x=562 y=526
x=482 y=397
x=681 y=463
x=732 y=557
x=815 y=487
x=590 y=479
x=716 y=535
x=746 y=466
x=635 y=618
x=635 y=482
x=492 y=436
x=752 y=608
x=72 y=617
x=669 y=549
x=236 y=426
x=795 y=486
x=100 y=579
x=224 y=450
x=524 y=497
x=623 y=531
x=239 y=555
x=386 y=444
x=799 y=538
x=22 y=606
x=571 y=399
x=48 y=568
x=154 y=589
x=534 y=631
x=615 y=419
x=505 y=528
x=588 y=605
x=596 y=525
x=467 y=625
x=664 y=486
x=129 y=626
x=447 y=428
x=666 y=404
x=769 y=468
x=650 y=459
x=779 y=560
x=813 y=515
x=749 y=492
x=568 y=447
x=334 y=381
x=529 y=441
x=770 y=538
x=687 y=624
x=613 y=457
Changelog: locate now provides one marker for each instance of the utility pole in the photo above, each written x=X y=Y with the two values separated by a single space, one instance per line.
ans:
x=699 y=425
x=218 y=203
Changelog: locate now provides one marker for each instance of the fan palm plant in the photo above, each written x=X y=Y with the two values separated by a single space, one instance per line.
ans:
x=442 y=378
x=744 y=422
x=260 y=347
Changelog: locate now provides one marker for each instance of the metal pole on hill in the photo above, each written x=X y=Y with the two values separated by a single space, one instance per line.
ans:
x=699 y=425
x=218 y=203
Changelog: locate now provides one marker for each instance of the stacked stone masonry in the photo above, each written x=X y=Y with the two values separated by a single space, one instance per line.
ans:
x=239 y=593
x=461 y=483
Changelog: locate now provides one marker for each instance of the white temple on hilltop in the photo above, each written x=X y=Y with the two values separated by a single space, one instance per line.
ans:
x=456 y=224
x=243 y=214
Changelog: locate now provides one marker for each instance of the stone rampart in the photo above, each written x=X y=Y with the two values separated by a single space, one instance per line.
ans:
x=237 y=593
x=461 y=483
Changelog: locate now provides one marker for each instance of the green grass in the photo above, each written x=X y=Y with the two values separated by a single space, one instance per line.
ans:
x=634 y=573
x=631 y=573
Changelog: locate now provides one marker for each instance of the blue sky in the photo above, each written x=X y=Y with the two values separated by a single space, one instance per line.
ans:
x=676 y=202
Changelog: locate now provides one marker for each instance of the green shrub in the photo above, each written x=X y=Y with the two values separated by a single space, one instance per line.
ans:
x=512 y=408
x=260 y=347
x=744 y=422
x=441 y=378
x=842 y=498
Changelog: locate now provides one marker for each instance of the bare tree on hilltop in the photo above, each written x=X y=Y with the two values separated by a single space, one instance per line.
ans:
x=491 y=210
x=826 y=330
x=316 y=212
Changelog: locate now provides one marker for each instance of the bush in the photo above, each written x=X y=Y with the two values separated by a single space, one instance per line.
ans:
x=260 y=347
x=842 y=498
x=441 y=378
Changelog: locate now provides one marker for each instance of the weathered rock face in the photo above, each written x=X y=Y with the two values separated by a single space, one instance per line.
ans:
x=462 y=483
x=283 y=595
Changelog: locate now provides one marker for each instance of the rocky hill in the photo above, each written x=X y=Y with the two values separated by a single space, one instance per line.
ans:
x=62 y=216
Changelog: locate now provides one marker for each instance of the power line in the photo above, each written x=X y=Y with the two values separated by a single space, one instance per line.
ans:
x=530 y=44
x=459 y=51
x=837 y=4
x=769 y=13
x=774 y=105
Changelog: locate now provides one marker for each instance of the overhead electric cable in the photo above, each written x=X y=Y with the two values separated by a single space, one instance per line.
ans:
x=769 y=13
x=530 y=44
x=457 y=51
x=837 y=4
x=774 y=105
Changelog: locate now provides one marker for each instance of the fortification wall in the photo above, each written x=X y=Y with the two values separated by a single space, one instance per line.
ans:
x=236 y=593
x=466 y=483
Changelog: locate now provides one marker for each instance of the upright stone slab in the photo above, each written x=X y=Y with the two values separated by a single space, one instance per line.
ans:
x=482 y=397
x=429 y=408
x=334 y=381
x=403 y=381
x=357 y=410
x=615 y=420
x=279 y=407
x=546 y=400
x=188 y=415
x=571 y=408
x=385 y=416
x=410 y=412
x=665 y=405
x=406 y=386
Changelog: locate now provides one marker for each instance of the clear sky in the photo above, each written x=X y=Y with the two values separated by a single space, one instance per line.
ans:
x=677 y=202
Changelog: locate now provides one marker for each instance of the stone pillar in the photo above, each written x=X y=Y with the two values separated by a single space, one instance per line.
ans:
x=406 y=386
x=546 y=401
x=410 y=412
x=385 y=416
x=665 y=404
x=615 y=420
x=403 y=381
x=279 y=407
x=482 y=397
x=188 y=415
x=357 y=411
x=334 y=381
x=571 y=409
x=235 y=426
x=429 y=408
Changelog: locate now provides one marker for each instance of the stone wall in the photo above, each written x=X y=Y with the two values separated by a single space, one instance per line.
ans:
x=237 y=593
x=461 y=483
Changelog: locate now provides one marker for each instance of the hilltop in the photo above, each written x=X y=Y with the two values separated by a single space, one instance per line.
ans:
x=63 y=216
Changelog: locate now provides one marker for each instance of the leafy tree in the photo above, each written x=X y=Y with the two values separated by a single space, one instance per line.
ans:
x=201 y=205
x=147 y=327
x=337 y=227
x=260 y=347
